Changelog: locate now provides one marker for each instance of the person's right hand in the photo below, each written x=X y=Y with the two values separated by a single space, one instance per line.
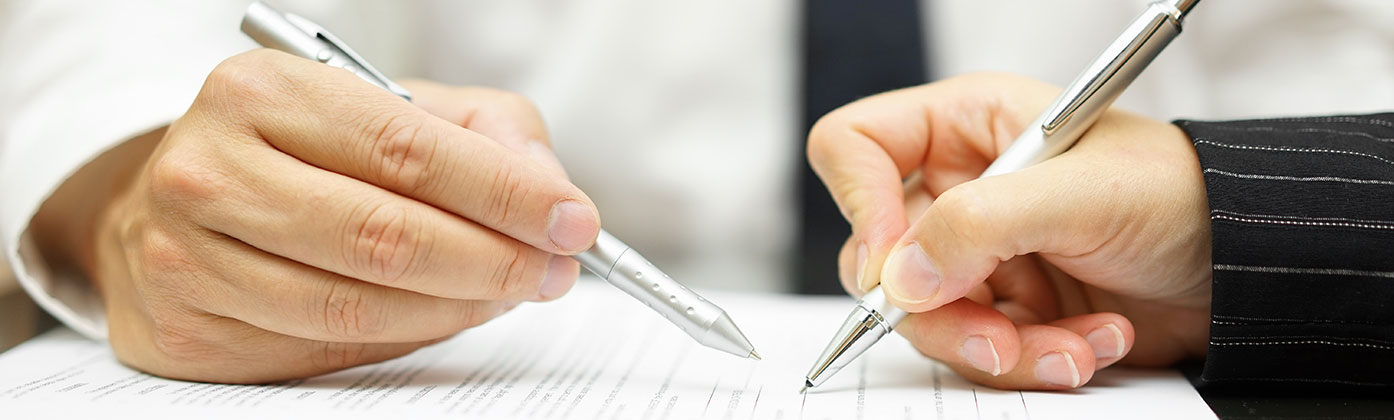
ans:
x=298 y=220
x=1032 y=279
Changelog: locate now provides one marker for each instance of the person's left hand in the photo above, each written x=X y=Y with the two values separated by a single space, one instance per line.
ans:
x=297 y=220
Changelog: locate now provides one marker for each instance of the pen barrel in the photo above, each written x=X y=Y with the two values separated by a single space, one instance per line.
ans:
x=1086 y=98
x=887 y=314
x=300 y=37
x=633 y=274
x=638 y=277
x=270 y=28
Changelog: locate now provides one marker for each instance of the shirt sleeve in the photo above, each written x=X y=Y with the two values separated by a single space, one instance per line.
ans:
x=1302 y=216
x=78 y=78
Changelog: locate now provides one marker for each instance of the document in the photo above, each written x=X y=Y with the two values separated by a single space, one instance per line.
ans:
x=594 y=354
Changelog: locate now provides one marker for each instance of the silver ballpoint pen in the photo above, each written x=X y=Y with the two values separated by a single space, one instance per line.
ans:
x=1050 y=134
x=609 y=258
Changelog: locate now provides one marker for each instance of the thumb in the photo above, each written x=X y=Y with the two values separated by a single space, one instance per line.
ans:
x=974 y=226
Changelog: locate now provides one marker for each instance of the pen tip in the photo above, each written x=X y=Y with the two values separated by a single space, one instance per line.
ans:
x=754 y=355
x=803 y=389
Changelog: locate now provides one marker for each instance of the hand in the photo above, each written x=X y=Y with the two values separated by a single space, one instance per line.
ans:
x=297 y=220
x=1033 y=279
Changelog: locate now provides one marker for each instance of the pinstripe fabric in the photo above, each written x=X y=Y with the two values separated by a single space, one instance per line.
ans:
x=1302 y=213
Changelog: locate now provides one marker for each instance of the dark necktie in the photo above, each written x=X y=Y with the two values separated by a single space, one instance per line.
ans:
x=852 y=49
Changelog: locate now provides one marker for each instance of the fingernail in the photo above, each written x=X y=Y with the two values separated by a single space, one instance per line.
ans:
x=572 y=225
x=861 y=265
x=1057 y=368
x=1107 y=341
x=980 y=353
x=912 y=277
x=559 y=278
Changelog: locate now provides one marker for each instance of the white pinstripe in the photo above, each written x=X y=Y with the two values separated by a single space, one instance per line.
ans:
x=1298 y=178
x=1306 y=130
x=1301 y=270
x=1371 y=341
x=1325 y=321
x=1352 y=120
x=1274 y=341
x=1299 y=342
x=1300 y=221
x=1291 y=149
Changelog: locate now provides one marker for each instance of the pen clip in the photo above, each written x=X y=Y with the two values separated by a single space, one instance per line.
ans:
x=1079 y=93
x=1113 y=60
x=310 y=28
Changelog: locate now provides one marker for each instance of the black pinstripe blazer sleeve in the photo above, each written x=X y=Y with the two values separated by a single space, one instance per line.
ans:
x=1302 y=215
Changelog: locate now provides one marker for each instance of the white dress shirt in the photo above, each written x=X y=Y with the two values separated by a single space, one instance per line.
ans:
x=680 y=119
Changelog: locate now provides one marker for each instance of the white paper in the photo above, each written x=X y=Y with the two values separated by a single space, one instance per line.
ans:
x=595 y=354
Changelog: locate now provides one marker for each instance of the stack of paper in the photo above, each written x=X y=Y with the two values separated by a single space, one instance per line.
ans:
x=595 y=354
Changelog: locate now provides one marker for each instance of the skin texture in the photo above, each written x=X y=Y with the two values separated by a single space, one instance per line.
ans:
x=295 y=212
x=297 y=221
x=1033 y=279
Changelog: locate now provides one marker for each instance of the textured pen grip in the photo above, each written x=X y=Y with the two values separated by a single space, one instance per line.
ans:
x=636 y=276
x=630 y=272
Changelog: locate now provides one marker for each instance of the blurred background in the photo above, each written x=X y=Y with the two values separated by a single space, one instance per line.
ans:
x=685 y=120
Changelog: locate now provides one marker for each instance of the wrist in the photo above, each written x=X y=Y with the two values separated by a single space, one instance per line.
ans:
x=66 y=224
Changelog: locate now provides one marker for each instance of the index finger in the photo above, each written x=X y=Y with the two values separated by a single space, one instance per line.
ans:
x=330 y=119
x=503 y=116
x=949 y=131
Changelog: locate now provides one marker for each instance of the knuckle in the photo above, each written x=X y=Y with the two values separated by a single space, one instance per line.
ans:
x=250 y=76
x=402 y=152
x=856 y=203
x=829 y=137
x=176 y=340
x=821 y=138
x=159 y=252
x=163 y=257
x=386 y=242
x=964 y=211
x=517 y=102
x=513 y=274
x=986 y=77
x=170 y=283
x=477 y=313
x=508 y=191
x=335 y=356
x=181 y=180
x=498 y=99
x=170 y=273
x=348 y=312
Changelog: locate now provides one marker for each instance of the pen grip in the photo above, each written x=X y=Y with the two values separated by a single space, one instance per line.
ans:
x=888 y=315
x=630 y=272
